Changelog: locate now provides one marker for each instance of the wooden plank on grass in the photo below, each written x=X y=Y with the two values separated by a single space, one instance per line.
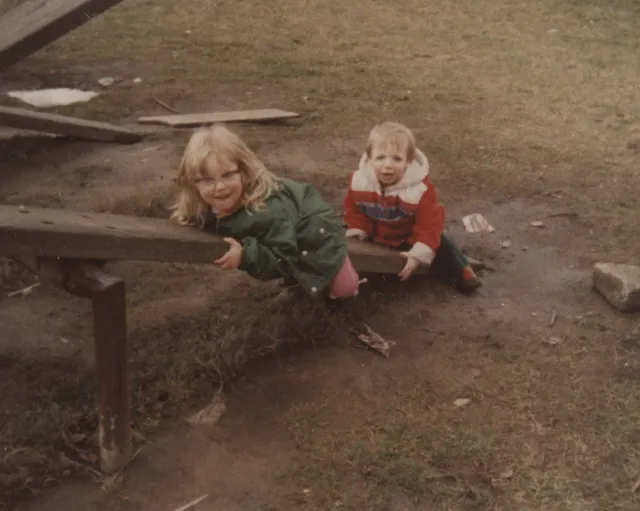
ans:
x=36 y=23
x=204 y=119
x=70 y=234
x=21 y=118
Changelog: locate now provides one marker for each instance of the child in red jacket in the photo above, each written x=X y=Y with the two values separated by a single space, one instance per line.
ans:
x=392 y=201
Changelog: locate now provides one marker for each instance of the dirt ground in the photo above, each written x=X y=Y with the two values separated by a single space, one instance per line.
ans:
x=527 y=111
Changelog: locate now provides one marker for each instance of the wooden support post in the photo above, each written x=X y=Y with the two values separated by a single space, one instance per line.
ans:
x=107 y=293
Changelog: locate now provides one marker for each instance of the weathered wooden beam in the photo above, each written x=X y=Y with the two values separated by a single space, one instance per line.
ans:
x=82 y=235
x=21 y=118
x=204 y=119
x=36 y=23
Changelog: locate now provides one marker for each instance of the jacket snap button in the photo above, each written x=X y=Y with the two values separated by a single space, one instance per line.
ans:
x=313 y=289
x=304 y=252
x=321 y=230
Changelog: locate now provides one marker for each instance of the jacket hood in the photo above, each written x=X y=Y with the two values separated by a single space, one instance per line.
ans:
x=416 y=172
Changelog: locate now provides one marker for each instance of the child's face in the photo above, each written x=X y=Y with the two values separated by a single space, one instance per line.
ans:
x=221 y=186
x=388 y=161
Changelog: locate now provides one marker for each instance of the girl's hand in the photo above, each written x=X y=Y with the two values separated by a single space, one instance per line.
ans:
x=231 y=260
x=409 y=268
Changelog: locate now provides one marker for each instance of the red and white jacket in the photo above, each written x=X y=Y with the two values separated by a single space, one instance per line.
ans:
x=404 y=213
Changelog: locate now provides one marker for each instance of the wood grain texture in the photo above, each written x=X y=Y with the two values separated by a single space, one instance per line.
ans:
x=61 y=233
x=36 y=23
x=204 y=119
x=21 y=118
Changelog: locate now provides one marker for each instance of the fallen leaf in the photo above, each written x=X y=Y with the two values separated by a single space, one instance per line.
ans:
x=210 y=414
x=375 y=341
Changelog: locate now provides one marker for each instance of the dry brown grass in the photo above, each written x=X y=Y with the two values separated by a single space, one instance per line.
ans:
x=508 y=98
x=177 y=362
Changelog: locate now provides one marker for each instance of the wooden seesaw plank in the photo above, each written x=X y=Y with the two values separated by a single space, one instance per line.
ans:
x=36 y=23
x=204 y=119
x=21 y=118
x=69 y=234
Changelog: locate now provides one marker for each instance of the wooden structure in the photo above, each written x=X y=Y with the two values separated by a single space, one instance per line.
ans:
x=69 y=126
x=32 y=25
x=69 y=248
x=36 y=23
x=203 y=119
x=58 y=233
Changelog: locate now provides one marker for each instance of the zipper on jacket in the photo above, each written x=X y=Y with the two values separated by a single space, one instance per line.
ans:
x=375 y=222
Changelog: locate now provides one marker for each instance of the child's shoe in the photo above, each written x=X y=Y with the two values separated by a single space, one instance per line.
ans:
x=469 y=281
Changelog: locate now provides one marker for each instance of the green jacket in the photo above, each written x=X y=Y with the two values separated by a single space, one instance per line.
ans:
x=296 y=235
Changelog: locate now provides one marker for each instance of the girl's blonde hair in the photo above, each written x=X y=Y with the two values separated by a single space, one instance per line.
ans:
x=392 y=133
x=257 y=182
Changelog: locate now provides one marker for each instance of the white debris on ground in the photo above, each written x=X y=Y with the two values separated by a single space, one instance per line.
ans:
x=476 y=223
x=46 y=98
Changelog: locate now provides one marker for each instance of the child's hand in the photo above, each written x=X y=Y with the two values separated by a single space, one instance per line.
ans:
x=409 y=268
x=231 y=260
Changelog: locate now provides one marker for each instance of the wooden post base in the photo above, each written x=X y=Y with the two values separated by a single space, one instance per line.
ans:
x=107 y=294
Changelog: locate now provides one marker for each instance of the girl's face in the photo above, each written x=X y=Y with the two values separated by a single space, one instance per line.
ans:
x=221 y=185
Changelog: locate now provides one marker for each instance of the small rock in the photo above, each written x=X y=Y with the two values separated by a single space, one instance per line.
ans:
x=537 y=223
x=188 y=32
x=137 y=80
x=107 y=81
x=460 y=402
x=22 y=209
x=552 y=341
x=505 y=244
x=475 y=372
x=619 y=284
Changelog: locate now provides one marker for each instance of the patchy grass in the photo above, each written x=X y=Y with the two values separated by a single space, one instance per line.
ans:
x=48 y=415
x=142 y=202
x=537 y=434
x=14 y=276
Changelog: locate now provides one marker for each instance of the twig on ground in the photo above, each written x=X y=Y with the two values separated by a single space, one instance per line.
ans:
x=163 y=104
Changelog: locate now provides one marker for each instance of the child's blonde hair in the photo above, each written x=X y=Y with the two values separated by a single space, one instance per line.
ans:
x=257 y=182
x=392 y=133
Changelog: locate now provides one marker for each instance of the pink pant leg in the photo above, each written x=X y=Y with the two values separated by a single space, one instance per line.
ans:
x=346 y=282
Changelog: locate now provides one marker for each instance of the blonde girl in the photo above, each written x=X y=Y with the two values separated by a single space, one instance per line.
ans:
x=276 y=227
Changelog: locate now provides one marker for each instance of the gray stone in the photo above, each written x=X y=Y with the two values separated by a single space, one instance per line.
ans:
x=619 y=284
